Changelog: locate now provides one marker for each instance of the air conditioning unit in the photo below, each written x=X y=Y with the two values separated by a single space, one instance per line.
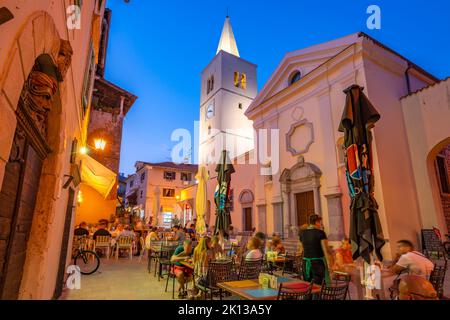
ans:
x=185 y=183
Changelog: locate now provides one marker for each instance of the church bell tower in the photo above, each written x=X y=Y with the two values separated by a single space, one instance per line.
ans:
x=228 y=86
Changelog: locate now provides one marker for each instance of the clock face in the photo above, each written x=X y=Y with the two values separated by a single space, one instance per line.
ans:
x=210 y=111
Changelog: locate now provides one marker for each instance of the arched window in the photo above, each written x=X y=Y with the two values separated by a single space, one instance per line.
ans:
x=294 y=77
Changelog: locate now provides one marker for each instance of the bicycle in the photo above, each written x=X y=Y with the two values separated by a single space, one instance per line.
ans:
x=88 y=261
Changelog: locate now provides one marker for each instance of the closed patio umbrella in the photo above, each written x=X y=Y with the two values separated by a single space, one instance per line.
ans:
x=221 y=195
x=358 y=118
x=201 y=200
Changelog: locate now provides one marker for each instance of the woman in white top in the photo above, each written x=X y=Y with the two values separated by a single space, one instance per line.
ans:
x=254 y=252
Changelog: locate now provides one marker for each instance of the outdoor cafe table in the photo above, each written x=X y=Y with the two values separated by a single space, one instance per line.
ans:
x=252 y=290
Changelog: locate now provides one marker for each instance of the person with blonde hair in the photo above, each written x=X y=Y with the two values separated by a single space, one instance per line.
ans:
x=254 y=253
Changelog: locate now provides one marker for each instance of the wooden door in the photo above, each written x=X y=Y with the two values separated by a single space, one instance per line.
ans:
x=64 y=245
x=248 y=219
x=17 y=203
x=305 y=206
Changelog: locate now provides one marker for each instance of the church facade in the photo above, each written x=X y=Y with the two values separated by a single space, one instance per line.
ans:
x=298 y=111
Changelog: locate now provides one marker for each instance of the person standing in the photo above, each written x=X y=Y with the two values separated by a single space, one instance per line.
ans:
x=313 y=239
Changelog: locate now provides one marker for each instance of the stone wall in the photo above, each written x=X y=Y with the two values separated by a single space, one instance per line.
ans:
x=108 y=126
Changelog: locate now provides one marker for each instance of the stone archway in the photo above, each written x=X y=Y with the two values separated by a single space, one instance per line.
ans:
x=38 y=59
x=438 y=163
x=299 y=184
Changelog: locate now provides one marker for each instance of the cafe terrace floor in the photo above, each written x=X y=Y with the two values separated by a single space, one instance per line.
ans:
x=129 y=280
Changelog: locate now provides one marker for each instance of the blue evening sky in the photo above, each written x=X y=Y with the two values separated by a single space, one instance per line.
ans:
x=157 y=50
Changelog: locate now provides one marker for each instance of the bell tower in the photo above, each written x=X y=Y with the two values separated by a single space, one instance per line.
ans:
x=228 y=86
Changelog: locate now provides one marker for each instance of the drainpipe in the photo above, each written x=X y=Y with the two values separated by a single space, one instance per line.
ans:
x=408 y=80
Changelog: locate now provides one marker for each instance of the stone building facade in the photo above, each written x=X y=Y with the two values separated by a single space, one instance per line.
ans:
x=302 y=103
x=46 y=80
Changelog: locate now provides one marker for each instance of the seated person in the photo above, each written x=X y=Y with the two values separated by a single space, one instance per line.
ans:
x=182 y=273
x=277 y=246
x=126 y=232
x=217 y=250
x=152 y=236
x=118 y=231
x=201 y=257
x=262 y=239
x=254 y=252
x=410 y=261
x=82 y=230
x=179 y=235
x=413 y=287
x=191 y=231
x=101 y=231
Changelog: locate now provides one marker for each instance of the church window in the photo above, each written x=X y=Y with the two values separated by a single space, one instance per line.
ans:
x=294 y=77
x=240 y=106
x=240 y=80
x=210 y=84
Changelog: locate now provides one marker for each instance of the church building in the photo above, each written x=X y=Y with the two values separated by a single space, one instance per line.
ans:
x=298 y=110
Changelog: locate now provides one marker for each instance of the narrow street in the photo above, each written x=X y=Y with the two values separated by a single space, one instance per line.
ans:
x=120 y=280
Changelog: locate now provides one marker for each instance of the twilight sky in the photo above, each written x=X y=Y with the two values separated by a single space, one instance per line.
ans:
x=157 y=50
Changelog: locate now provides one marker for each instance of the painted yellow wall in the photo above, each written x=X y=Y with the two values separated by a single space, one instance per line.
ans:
x=93 y=206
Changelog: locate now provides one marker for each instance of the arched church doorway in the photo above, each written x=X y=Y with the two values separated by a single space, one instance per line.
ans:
x=31 y=156
x=300 y=186
x=439 y=170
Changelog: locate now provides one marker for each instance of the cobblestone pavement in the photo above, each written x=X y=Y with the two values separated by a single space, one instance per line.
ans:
x=130 y=280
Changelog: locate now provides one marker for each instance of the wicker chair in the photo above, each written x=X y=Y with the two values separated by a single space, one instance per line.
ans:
x=124 y=243
x=218 y=271
x=103 y=242
x=437 y=279
x=291 y=294
x=249 y=269
x=333 y=292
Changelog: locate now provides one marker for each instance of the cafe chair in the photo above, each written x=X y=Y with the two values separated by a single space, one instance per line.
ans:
x=293 y=265
x=218 y=271
x=249 y=269
x=342 y=278
x=124 y=243
x=286 y=293
x=437 y=278
x=103 y=242
x=333 y=292
x=163 y=260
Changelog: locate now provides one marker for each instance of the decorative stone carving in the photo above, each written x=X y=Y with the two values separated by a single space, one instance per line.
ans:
x=246 y=197
x=297 y=113
x=300 y=137
x=64 y=59
x=38 y=98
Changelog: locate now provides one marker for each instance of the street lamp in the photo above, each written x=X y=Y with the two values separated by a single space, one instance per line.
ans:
x=99 y=144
